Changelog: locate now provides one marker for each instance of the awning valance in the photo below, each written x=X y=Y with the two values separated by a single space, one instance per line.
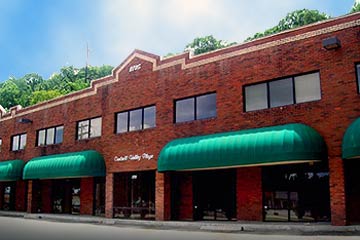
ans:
x=351 y=141
x=283 y=144
x=11 y=170
x=68 y=165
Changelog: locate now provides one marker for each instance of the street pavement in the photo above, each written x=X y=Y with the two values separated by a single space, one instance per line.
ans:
x=20 y=228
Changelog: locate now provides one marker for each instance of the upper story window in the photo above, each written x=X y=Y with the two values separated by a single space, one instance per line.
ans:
x=136 y=119
x=18 y=142
x=89 y=128
x=49 y=136
x=195 y=108
x=0 y=144
x=286 y=91
x=358 y=76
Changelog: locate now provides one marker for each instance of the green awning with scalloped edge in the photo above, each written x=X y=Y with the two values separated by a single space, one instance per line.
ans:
x=351 y=141
x=11 y=170
x=69 y=165
x=283 y=144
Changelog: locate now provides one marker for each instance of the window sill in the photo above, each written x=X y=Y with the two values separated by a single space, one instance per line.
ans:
x=135 y=131
x=87 y=139
x=18 y=151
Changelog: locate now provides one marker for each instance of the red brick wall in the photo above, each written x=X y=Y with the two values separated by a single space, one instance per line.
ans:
x=249 y=194
x=337 y=191
x=87 y=196
x=330 y=116
x=162 y=197
x=20 y=199
x=186 y=197
x=109 y=188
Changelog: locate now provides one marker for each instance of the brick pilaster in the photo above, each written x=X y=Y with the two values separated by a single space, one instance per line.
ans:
x=162 y=196
x=109 y=195
x=87 y=196
x=337 y=191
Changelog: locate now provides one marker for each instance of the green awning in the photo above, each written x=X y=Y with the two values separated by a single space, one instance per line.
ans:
x=351 y=141
x=283 y=144
x=68 y=165
x=11 y=170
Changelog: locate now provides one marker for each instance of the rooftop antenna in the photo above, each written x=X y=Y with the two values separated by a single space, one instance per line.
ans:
x=87 y=61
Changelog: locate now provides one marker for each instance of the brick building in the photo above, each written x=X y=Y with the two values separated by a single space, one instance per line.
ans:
x=265 y=130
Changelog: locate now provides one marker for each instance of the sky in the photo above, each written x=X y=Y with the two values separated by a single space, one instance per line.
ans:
x=41 y=36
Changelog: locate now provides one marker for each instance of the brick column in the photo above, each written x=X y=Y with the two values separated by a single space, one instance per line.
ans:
x=186 y=197
x=162 y=196
x=30 y=204
x=20 y=196
x=87 y=196
x=249 y=194
x=337 y=191
x=109 y=195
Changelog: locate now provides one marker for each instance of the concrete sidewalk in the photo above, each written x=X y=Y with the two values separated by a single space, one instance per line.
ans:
x=214 y=226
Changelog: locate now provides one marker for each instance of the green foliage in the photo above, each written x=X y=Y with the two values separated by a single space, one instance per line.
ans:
x=32 y=88
x=43 y=95
x=293 y=20
x=355 y=7
x=206 y=44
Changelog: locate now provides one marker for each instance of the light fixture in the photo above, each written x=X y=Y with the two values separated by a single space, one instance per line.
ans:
x=24 y=120
x=331 y=43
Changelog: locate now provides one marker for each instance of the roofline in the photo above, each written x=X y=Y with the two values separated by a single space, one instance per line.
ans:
x=188 y=60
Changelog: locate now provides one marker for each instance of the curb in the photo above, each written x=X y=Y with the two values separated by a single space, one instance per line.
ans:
x=228 y=227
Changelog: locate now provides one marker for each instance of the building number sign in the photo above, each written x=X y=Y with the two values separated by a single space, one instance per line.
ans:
x=135 y=68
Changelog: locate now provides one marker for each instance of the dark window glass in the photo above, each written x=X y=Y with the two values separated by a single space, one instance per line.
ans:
x=185 y=110
x=122 y=122
x=206 y=106
x=149 y=117
x=50 y=134
x=41 y=137
x=83 y=129
x=95 y=127
x=59 y=134
x=256 y=97
x=281 y=92
x=135 y=120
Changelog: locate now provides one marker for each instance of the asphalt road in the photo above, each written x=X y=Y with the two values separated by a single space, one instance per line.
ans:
x=19 y=228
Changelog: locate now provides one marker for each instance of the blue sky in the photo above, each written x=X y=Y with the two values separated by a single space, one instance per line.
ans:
x=41 y=36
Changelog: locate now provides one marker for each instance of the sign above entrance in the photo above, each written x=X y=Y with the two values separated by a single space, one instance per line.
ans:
x=136 y=157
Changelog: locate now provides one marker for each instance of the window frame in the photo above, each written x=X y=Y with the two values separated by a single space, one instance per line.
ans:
x=357 y=75
x=19 y=142
x=1 y=142
x=45 y=137
x=89 y=129
x=128 y=119
x=195 y=107
x=267 y=83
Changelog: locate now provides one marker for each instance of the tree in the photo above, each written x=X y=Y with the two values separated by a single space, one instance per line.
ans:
x=206 y=44
x=293 y=20
x=43 y=95
x=355 y=7
x=9 y=94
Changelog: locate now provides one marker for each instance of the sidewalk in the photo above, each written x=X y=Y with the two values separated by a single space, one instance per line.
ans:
x=214 y=226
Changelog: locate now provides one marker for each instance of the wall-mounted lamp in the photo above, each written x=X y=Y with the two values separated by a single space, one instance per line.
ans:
x=24 y=120
x=331 y=43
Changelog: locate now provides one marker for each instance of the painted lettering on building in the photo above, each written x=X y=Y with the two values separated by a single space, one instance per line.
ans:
x=135 y=67
x=135 y=157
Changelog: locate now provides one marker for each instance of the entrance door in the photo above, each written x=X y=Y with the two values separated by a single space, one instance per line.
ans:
x=352 y=184
x=296 y=193
x=214 y=195
x=66 y=196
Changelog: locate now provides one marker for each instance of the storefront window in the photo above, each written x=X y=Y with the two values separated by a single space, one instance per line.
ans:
x=296 y=193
